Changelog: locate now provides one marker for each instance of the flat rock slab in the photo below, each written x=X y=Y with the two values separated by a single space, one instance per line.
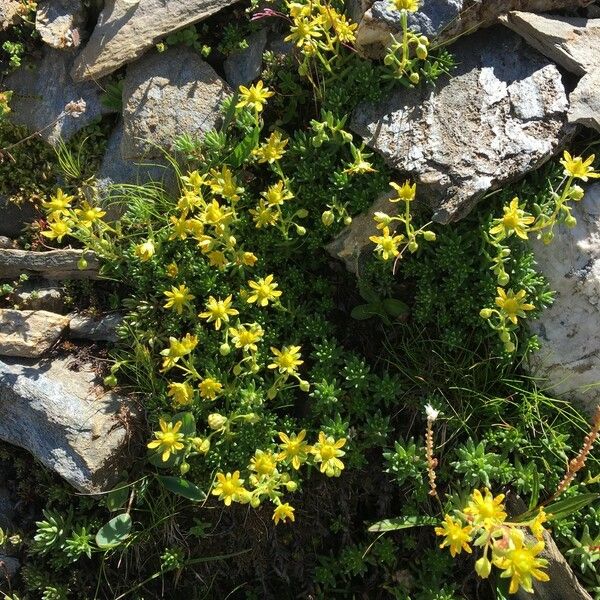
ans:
x=42 y=91
x=95 y=329
x=569 y=331
x=67 y=421
x=501 y=114
x=444 y=20
x=60 y=22
x=166 y=94
x=244 y=66
x=29 y=333
x=126 y=30
x=574 y=44
x=54 y=264
x=13 y=217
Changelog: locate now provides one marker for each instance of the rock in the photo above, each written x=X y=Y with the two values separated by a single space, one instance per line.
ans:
x=95 y=329
x=10 y=10
x=244 y=66
x=36 y=297
x=443 y=20
x=569 y=330
x=9 y=566
x=6 y=242
x=13 y=217
x=126 y=29
x=350 y=244
x=115 y=169
x=67 y=421
x=29 y=333
x=54 y=264
x=167 y=94
x=43 y=91
x=60 y=22
x=573 y=43
x=7 y=510
x=501 y=114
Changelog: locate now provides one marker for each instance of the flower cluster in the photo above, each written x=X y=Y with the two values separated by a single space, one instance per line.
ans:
x=482 y=524
x=516 y=221
x=389 y=245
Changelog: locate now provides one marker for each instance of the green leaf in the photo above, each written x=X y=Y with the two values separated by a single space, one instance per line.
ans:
x=368 y=293
x=535 y=492
x=362 y=312
x=403 y=523
x=182 y=487
x=243 y=150
x=188 y=423
x=395 y=308
x=563 y=508
x=114 y=532
x=117 y=497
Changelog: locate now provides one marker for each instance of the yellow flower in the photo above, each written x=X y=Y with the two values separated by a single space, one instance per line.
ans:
x=286 y=359
x=210 y=388
x=246 y=338
x=263 y=463
x=408 y=5
x=180 y=228
x=283 y=512
x=182 y=393
x=486 y=511
x=216 y=258
x=230 y=488
x=264 y=291
x=249 y=259
x=579 y=168
x=457 y=536
x=276 y=194
x=344 y=29
x=304 y=31
x=515 y=220
x=254 y=97
x=190 y=201
x=263 y=215
x=218 y=311
x=225 y=185
x=512 y=305
x=172 y=270
x=406 y=191
x=536 y=526
x=178 y=297
x=145 y=250
x=387 y=245
x=168 y=440
x=57 y=230
x=194 y=180
x=215 y=214
x=59 y=203
x=327 y=452
x=88 y=214
x=177 y=349
x=520 y=562
x=272 y=150
x=293 y=448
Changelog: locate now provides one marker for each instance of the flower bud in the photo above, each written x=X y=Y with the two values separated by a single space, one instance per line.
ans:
x=302 y=213
x=429 y=236
x=300 y=230
x=509 y=347
x=413 y=246
x=251 y=418
x=291 y=486
x=224 y=349
x=347 y=220
x=201 y=445
x=414 y=78
x=389 y=59
x=145 y=251
x=184 y=468
x=421 y=52
x=505 y=336
x=304 y=386
x=503 y=279
x=82 y=264
x=483 y=567
x=327 y=218
x=505 y=252
x=255 y=502
x=110 y=381
x=548 y=237
x=423 y=39
x=485 y=313
x=570 y=221
x=216 y=421
x=576 y=193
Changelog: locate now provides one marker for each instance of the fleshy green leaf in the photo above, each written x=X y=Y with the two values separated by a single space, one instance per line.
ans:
x=182 y=487
x=114 y=532
x=395 y=308
x=403 y=523
x=117 y=497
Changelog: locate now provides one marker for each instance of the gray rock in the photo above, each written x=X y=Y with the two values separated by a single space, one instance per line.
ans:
x=573 y=43
x=67 y=421
x=444 y=20
x=569 y=331
x=54 y=264
x=9 y=566
x=126 y=29
x=29 y=333
x=33 y=296
x=95 y=329
x=10 y=10
x=6 y=242
x=41 y=93
x=501 y=114
x=60 y=22
x=350 y=245
x=245 y=66
x=13 y=218
x=167 y=94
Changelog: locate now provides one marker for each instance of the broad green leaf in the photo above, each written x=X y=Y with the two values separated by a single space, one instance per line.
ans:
x=368 y=293
x=403 y=523
x=188 y=423
x=114 y=532
x=395 y=308
x=182 y=487
x=363 y=312
x=117 y=497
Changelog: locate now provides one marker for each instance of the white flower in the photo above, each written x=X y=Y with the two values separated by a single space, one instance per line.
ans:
x=432 y=413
